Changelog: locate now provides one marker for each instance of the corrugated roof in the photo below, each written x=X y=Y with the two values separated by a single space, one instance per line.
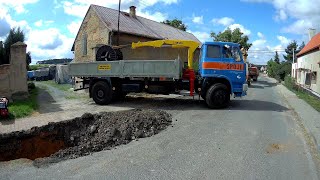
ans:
x=313 y=44
x=140 y=26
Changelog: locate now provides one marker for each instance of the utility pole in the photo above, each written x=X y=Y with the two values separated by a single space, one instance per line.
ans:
x=118 y=37
x=292 y=55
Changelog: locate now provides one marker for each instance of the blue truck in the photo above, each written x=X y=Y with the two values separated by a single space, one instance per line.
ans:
x=221 y=73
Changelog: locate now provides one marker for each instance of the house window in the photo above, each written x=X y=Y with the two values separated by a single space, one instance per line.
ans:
x=213 y=51
x=84 y=44
x=314 y=77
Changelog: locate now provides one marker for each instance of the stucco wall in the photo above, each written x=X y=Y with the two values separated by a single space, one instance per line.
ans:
x=309 y=63
x=96 y=33
x=13 y=76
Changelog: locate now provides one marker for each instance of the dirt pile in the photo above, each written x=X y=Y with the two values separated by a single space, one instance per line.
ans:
x=82 y=136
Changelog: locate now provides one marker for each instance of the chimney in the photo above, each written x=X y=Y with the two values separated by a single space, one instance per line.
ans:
x=312 y=32
x=133 y=11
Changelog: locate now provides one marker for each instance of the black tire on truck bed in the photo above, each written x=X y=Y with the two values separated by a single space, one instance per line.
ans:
x=101 y=93
x=218 y=96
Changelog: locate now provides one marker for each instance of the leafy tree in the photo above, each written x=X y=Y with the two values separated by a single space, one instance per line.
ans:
x=28 y=59
x=1 y=52
x=276 y=58
x=302 y=45
x=15 y=35
x=293 y=46
x=176 y=23
x=235 y=36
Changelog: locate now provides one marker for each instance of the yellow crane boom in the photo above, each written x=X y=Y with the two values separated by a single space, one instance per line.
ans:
x=174 y=43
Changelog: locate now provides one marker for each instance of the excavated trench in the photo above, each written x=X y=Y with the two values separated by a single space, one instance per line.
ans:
x=81 y=136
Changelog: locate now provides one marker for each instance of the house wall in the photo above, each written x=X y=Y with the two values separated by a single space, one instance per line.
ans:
x=306 y=64
x=96 y=33
x=13 y=76
x=294 y=70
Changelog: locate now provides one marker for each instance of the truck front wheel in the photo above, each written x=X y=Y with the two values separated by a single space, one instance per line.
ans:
x=101 y=93
x=218 y=96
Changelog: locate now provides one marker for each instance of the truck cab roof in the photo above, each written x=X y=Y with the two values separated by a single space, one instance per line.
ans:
x=220 y=43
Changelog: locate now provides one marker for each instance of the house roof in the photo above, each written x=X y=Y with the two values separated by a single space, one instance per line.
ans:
x=138 y=25
x=313 y=44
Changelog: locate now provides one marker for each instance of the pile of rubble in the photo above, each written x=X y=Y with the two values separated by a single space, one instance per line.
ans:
x=82 y=136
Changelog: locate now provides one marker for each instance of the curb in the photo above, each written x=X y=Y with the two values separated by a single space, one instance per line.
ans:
x=302 y=120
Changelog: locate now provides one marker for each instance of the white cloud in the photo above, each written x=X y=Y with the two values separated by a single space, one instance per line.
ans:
x=79 y=8
x=281 y=15
x=260 y=35
x=202 y=36
x=17 y=5
x=225 y=21
x=156 y=16
x=298 y=27
x=73 y=27
x=48 y=43
x=306 y=13
x=197 y=19
x=241 y=27
x=38 y=23
x=283 y=40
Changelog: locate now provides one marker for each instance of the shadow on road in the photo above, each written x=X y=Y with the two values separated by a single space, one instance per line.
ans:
x=190 y=104
x=256 y=86
x=256 y=105
x=267 y=84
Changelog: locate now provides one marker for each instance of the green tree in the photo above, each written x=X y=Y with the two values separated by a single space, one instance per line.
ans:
x=176 y=23
x=235 y=36
x=15 y=35
x=1 y=53
x=292 y=47
x=276 y=58
x=28 y=59
x=302 y=45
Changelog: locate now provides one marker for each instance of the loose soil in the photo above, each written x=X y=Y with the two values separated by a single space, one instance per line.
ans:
x=82 y=135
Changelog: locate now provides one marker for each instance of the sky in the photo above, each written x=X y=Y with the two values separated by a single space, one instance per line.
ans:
x=50 y=26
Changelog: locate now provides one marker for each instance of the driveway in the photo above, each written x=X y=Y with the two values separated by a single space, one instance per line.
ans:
x=257 y=137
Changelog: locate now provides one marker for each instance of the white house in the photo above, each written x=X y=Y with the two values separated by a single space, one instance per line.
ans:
x=307 y=67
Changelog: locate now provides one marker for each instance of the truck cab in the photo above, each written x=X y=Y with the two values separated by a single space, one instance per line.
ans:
x=223 y=72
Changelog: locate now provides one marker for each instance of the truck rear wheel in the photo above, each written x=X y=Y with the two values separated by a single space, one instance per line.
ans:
x=101 y=93
x=218 y=96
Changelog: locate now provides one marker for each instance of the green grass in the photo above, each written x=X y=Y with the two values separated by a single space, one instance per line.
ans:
x=62 y=87
x=311 y=100
x=19 y=109
x=38 y=66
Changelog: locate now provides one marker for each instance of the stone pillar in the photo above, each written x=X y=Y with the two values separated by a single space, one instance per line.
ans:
x=18 y=71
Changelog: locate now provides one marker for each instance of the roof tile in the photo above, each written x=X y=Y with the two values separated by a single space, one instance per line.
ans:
x=313 y=44
x=140 y=26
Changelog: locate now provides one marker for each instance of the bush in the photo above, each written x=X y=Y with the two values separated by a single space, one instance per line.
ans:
x=289 y=82
x=31 y=86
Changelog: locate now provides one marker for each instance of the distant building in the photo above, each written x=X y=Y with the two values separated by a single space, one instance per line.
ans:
x=307 y=67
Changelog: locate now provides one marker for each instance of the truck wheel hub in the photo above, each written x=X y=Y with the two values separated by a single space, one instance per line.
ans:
x=100 y=94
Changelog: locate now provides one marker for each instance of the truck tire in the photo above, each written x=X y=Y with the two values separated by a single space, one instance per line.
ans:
x=101 y=93
x=218 y=96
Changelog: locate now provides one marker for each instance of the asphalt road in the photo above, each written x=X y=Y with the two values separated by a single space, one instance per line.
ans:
x=257 y=137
